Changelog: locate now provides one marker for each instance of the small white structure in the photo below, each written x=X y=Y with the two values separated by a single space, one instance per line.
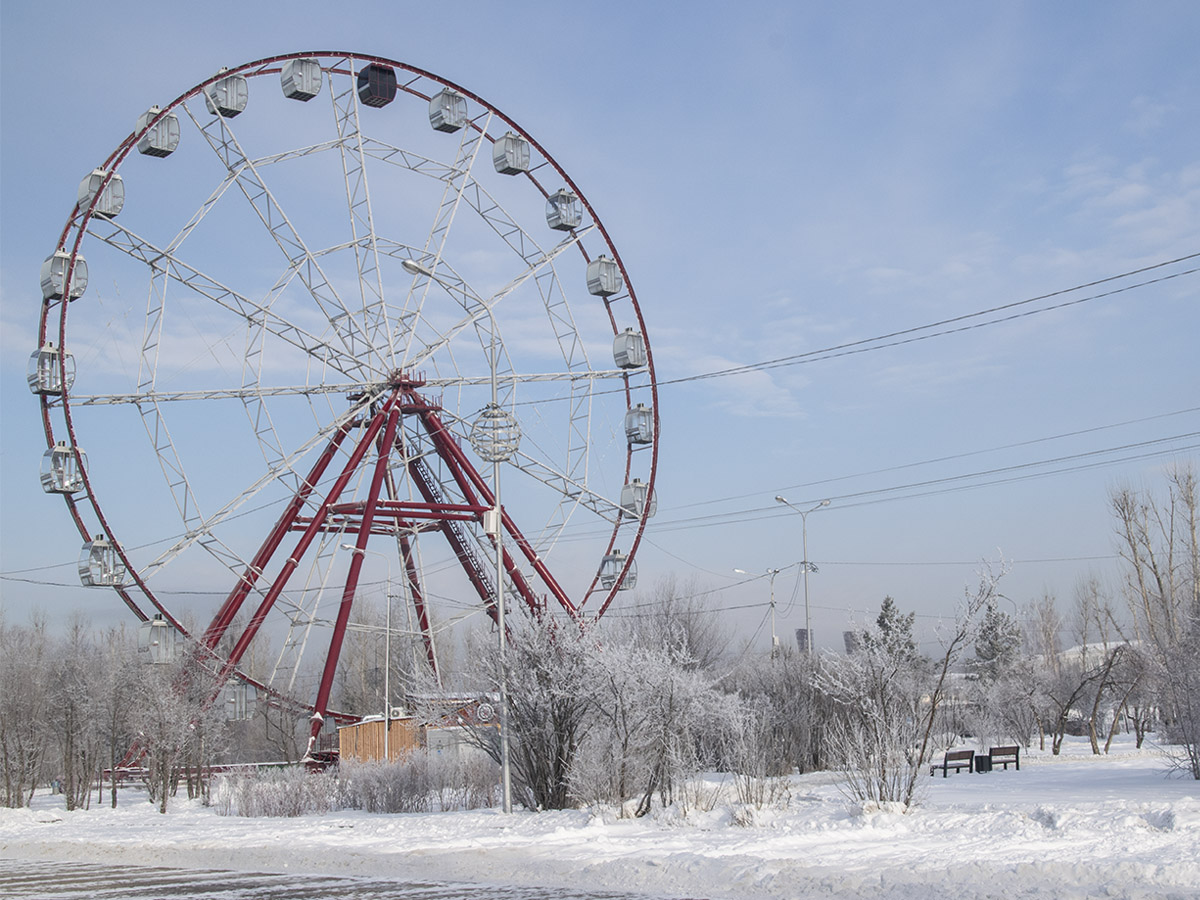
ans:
x=54 y=276
x=163 y=138
x=610 y=571
x=227 y=97
x=604 y=277
x=45 y=373
x=629 y=350
x=159 y=640
x=376 y=85
x=112 y=196
x=99 y=564
x=510 y=154
x=639 y=425
x=563 y=210
x=637 y=499
x=447 y=110
x=62 y=469
x=301 y=79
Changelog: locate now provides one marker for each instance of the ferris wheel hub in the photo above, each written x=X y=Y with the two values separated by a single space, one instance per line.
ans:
x=400 y=380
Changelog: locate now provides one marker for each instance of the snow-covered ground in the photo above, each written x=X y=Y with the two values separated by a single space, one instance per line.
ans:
x=1074 y=826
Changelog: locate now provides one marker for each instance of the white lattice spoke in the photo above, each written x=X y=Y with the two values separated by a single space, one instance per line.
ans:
x=206 y=286
x=435 y=244
x=362 y=221
x=220 y=137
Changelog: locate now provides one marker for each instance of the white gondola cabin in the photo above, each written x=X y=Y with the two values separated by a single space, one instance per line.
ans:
x=604 y=277
x=510 y=154
x=159 y=640
x=637 y=499
x=629 y=349
x=112 y=195
x=610 y=571
x=62 y=469
x=563 y=210
x=447 y=110
x=238 y=701
x=162 y=138
x=301 y=79
x=639 y=425
x=54 y=276
x=227 y=97
x=376 y=85
x=48 y=368
x=99 y=564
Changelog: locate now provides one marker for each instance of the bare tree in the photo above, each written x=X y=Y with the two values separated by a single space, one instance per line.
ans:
x=1159 y=543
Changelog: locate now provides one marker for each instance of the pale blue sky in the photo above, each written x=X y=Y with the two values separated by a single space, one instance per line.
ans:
x=779 y=178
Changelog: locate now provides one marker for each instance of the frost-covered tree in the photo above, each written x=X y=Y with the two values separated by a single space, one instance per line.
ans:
x=116 y=695
x=893 y=632
x=677 y=617
x=547 y=669
x=74 y=711
x=875 y=731
x=890 y=699
x=168 y=707
x=782 y=689
x=25 y=734
x=679 y=703
x=998 y=645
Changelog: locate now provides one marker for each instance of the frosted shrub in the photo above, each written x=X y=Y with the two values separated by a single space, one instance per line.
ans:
x=457 y=783
x=284 y=792
x=751 y=748
x=420 y=782
x=392 y=787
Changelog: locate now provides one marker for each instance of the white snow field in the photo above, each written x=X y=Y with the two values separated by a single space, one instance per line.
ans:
x=1075 y=826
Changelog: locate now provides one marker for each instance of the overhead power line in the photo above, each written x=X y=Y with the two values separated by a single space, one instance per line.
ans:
x=864 y=345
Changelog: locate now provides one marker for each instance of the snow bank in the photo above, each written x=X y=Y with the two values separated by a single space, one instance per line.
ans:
x=1067 y=827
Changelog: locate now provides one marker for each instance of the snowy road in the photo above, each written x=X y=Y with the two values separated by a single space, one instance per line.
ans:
x=1073 y=827
x=91 y=881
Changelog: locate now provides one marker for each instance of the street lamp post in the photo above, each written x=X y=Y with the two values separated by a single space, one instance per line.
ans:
x=807 y=565
x=495 y=436
x=771 y=573
x=387 y=649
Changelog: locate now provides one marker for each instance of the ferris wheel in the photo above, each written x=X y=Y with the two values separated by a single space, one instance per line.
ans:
x=300 y=326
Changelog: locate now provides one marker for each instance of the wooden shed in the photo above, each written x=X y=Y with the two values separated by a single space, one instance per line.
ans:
x=364 y=740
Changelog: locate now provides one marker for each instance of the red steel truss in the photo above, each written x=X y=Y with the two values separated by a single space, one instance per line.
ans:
x=380 y=512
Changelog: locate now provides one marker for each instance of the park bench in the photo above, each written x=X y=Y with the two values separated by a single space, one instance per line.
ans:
x=1002 y=756
x=956 y=760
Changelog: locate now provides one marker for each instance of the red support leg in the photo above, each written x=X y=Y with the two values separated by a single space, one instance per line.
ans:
x=249 y=578
x=343 y=616
x=414 y=585
x=314 y=527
